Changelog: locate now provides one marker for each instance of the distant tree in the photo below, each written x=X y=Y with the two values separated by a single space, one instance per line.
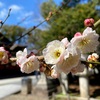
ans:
x=34 y=39
x=12 y=32
x=68 y=21
x=72 y=3
x=46 y=7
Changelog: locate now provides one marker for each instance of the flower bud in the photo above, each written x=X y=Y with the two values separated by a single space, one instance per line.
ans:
x=89 y=22
x=42 y=68
x=92 y=20
x=91 y=66
x=77 y=34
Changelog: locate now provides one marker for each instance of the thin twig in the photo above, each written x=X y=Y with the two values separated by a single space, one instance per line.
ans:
x=90 y=62
x=20 y=22
x=97 y=24
x=2 y=23
x=27 y=32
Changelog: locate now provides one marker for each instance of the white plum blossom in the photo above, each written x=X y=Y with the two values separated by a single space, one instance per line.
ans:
x=54 y=51
x=21 y=56
x=88 y=30
x=71 y=59
x=22 y=53
x=30 y=64
x=65 y=42
x=54 y=72
x=79 y=68
x=87 y=42
x=64 y=58
x=3 y=55
x=27 y=65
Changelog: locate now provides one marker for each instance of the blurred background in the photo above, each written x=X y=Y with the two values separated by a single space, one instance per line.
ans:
x=24 y=16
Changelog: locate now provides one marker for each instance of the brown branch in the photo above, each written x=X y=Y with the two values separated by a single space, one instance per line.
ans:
x=30 y=30
x=50 y=15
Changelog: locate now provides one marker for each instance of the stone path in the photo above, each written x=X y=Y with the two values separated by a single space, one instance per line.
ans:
x=9 y=89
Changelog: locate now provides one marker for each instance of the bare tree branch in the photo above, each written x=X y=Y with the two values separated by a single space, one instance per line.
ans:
x=50 y=15
x=2 y=23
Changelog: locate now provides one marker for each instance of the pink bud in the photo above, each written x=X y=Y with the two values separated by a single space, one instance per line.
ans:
x=92 y=20
x=42 y=69
x=77 y=34
x=89 y=22
x=54 y=74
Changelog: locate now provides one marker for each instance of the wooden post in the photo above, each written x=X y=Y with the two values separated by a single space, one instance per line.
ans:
x=84 y=84
x=26 y=85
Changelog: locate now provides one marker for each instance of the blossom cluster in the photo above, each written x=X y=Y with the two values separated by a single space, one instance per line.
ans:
x=60 y=56
x=66 y=56
x=27 y=64
x=63 y=56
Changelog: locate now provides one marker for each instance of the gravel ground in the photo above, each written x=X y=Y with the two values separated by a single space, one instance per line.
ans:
x=37 y=94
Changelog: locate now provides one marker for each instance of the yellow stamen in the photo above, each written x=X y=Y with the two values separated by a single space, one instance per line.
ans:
x=84 y=42
x=1 y=55
x=57 y=53
x=28 y=64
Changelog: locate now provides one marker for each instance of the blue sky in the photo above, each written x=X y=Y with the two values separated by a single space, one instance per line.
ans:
x=22 y=9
